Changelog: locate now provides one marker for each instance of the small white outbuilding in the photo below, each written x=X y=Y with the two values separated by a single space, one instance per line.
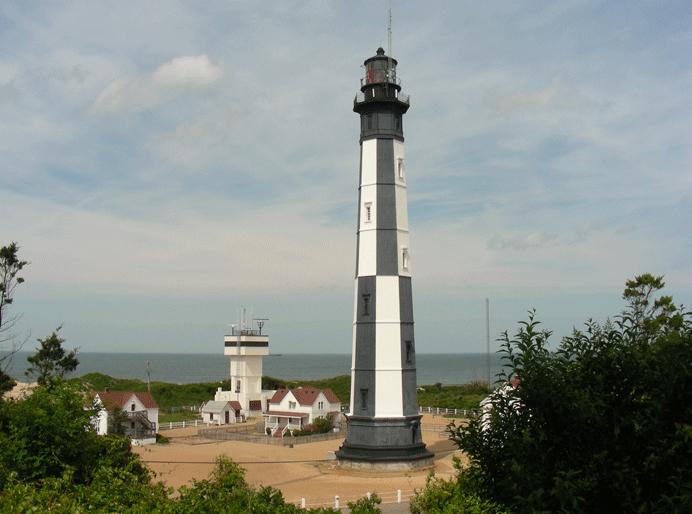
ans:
x=221 y=412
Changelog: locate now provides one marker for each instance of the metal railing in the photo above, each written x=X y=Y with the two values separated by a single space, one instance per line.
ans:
x=402 y=97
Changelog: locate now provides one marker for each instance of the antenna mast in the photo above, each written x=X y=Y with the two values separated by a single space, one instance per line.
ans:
x=487 y=338
x=389 y=45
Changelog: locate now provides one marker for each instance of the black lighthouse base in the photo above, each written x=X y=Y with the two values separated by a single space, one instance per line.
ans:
x=384 y=444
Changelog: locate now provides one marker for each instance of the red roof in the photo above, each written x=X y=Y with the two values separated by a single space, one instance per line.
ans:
x=331 y=397
x=278 y=396
x=235 y=405
x=286 y=414
x=120 y=398
x=305 y=396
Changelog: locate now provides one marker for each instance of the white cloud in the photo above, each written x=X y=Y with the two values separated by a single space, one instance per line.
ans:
x=173 y=78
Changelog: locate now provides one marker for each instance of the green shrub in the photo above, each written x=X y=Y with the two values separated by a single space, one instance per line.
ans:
x=602 y=423
x=365 y=505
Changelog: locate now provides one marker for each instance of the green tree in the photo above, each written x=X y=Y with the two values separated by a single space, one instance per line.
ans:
x=602 y=423
x=10 y=267
x=117 y=419
x=51 y=362
x=50 y=433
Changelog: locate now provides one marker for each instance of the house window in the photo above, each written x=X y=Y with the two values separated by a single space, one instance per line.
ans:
x=363 y=399
x=368 y=212
x=404 y=258
x=132 y=425
x=320 y=405
x=211 y=416
x=237 y=386
x=400 y=168
x=366 y=305
x=132 y=407
x=291 y=405
x=409 y=352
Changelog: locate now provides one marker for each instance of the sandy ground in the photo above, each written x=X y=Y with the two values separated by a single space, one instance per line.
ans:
x=292 y=470
x=20 y=390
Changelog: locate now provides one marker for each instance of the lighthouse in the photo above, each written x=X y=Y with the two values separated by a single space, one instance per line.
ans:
x=383 y=423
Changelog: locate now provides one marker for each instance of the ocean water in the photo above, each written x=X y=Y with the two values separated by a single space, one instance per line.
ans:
x=457 y=368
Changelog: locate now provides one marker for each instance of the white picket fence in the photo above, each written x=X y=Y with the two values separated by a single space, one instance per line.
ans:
x=441 y=411
x=170 y=425
x=338 y=502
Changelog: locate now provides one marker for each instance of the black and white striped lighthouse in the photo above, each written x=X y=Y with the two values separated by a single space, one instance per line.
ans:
x=384 y=424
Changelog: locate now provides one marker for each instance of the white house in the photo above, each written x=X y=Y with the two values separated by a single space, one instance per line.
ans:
x=141 y=415
x=221 y=412
x=294 y=409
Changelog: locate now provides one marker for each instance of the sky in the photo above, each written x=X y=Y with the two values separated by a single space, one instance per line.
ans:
x=164 y=163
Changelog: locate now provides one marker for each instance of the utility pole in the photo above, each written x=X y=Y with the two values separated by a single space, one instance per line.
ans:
x=148 y=369
x=487 y=338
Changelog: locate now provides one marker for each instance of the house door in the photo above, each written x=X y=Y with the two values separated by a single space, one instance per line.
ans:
x=227 y=417
x=237 y=415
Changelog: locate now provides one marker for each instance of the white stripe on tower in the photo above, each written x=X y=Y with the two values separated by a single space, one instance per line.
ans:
x=367 y=248
x=388 y=389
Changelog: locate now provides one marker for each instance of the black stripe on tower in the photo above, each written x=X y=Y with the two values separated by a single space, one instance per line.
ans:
x=383 y=121
x=387 y=252
x=408 y=348
x=364 y=368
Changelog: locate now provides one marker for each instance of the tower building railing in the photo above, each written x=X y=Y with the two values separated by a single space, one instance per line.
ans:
x=402 y=97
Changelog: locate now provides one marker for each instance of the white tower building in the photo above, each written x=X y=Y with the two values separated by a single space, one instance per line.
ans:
x=246 y=348
x=384 y=423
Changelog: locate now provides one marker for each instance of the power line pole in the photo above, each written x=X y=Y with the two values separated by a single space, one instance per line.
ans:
x=148 y=369
x=487 y=338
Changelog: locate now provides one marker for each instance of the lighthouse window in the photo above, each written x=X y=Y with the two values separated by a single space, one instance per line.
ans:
x=369 y=118
x=398 y=122
x=404 y=258
x=237 y=386
x=363 y=399
x=366 y=305
x=368 y=212
x=400 y=168
x=409 y=352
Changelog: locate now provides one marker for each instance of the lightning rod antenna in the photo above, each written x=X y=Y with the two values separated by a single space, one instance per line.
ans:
x=389 y=42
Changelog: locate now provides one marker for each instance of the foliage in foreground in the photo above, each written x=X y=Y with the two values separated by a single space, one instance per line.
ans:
x=10 y=267
x=52 y=460
x=49 y=435
x=601 y=424
x=452 y=497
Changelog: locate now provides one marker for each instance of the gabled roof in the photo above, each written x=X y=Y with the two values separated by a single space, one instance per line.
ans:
x=214 y=406
x=120 y=399
x=305 y=396
x=279 y=395
x=331 y=396
x=219 y=406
